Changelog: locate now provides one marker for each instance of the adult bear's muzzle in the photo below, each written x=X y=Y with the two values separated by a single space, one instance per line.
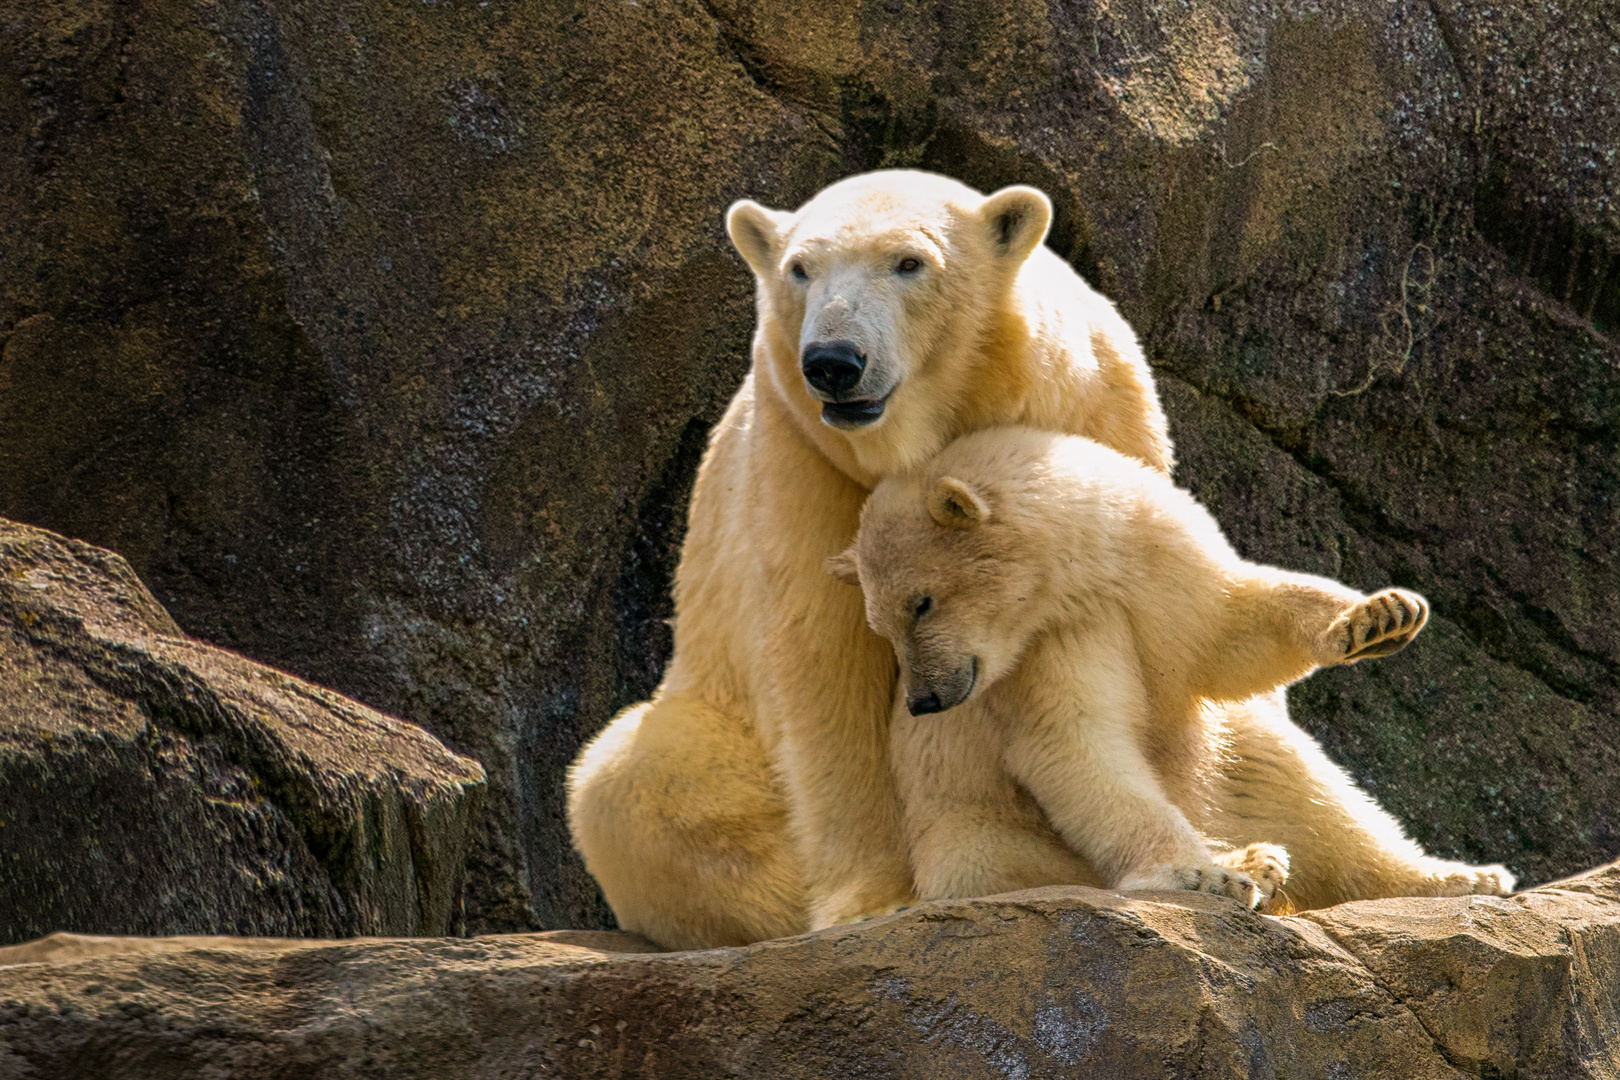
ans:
x=833 y=371
x=832 y=368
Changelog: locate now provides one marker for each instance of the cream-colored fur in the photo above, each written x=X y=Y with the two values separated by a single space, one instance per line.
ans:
x=1062 y=616
x=752 y=796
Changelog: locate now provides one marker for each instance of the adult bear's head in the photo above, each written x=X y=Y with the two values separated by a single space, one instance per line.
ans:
x=882 y=301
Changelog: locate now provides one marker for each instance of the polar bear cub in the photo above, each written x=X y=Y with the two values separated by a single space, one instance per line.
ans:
x=1069 y=611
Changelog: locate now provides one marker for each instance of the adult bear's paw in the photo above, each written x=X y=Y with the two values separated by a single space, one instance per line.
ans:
x=857 y=903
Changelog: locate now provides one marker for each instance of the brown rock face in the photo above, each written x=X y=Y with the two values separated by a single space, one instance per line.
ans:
x=1049 y=983
x=382 y=339
x=153 y=784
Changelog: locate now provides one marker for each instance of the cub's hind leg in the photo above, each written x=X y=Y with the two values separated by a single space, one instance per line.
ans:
x=1275 y=784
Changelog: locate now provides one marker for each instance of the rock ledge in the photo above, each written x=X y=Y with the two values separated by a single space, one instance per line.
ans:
x=1046 y=983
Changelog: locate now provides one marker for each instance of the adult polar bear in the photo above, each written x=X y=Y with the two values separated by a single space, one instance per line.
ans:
x=752 y=796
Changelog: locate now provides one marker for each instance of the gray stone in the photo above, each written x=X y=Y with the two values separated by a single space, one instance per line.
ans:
x=1055 y=982
x=153 y=784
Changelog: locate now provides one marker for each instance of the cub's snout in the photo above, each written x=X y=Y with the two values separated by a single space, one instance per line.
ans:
x=931 y=695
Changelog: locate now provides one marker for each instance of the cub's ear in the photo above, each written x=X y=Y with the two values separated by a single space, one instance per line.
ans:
x=955 y=505
x=1017 y=219
x=844 y=567
x=756 y=233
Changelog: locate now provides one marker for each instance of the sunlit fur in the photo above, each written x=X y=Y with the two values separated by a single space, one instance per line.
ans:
x=1101 y=608
x=975 y=335
x=752 y=796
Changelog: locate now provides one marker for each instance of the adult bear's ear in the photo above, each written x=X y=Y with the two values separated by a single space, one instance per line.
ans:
x=956 y=505
x=1017 y=219
x=844 y=566
x=756 y=233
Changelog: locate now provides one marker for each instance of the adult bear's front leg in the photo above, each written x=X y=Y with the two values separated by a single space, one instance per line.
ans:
x=822 y=684
x=825 y=717
x=757 y=778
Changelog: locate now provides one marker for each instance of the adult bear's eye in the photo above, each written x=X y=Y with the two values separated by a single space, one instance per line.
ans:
x=924 y=606
x=798 y=272
x=908 y=266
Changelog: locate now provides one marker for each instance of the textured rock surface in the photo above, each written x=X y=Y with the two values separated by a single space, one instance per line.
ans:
x=1048 y=983
x=153 y=784
x=382 y=339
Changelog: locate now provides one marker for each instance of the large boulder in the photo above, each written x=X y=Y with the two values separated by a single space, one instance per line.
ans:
x=151 y=784
x=1049 y=983
x=382 y=339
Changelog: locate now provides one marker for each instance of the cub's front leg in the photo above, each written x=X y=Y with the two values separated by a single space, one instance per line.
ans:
x=971 y=829
x=1275 y=627
x=1076 y=711
x=1252 y=874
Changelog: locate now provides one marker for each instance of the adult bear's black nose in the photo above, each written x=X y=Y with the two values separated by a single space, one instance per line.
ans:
x=832 y=367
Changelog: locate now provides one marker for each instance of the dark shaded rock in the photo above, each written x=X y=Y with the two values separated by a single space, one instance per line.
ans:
x=1048 y=983
x=152 y=784
x=382 y=340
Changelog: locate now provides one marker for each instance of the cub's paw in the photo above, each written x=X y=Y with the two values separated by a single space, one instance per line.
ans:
x=1382 y=624
x=1460 y=879
x=1197 y=877
x=1265 y=864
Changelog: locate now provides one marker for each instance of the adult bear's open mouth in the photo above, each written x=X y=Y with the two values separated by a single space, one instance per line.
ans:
x=853 y=414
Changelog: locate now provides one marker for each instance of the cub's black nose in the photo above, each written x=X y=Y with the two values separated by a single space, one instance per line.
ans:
x=918 y=704
x=832 y=367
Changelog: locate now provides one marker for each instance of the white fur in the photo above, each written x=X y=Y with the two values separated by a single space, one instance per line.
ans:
x=1075 y=613
x=752 y=796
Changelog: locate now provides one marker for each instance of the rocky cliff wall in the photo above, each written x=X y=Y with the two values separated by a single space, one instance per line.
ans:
x=382 y=339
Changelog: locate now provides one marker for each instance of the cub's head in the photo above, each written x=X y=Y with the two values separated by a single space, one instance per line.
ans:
x=951 y=579
x=874 y=296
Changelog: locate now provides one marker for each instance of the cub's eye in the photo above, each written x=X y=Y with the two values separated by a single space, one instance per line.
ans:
x=798 y=272
x=908 y=266
x=924 y=606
